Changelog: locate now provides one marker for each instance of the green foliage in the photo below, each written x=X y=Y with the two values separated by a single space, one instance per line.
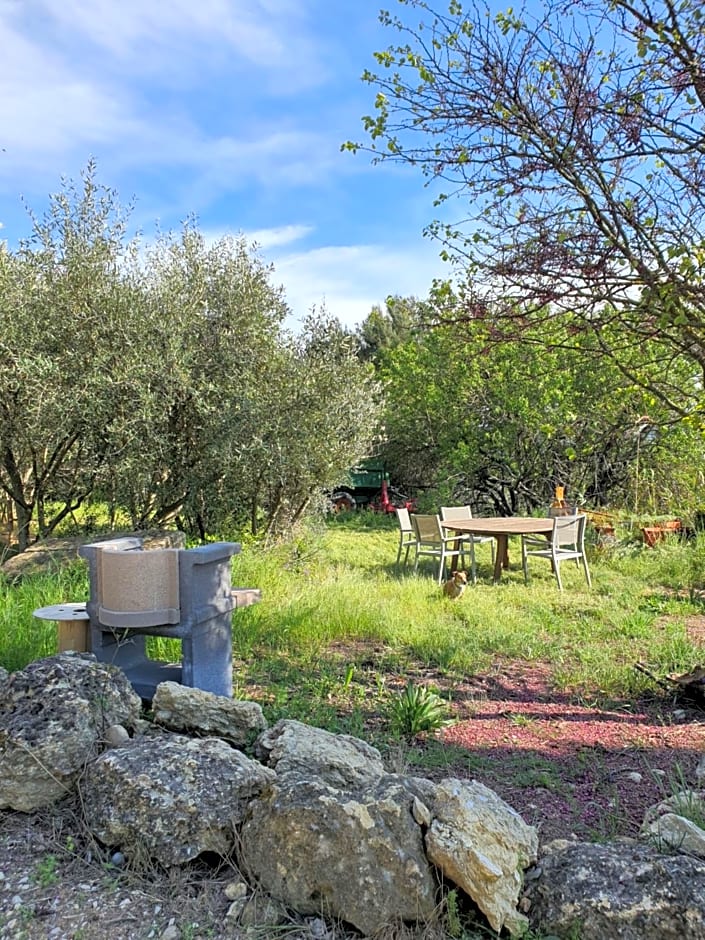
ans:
x=46 y=871
x=163 y=382
x=418 y=709
x=549 y=129
x=337 y=618
x=453 y=923
x=499 y=425
x=383 y=330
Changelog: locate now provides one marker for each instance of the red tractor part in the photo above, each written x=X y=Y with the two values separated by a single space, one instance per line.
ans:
x=387 y=501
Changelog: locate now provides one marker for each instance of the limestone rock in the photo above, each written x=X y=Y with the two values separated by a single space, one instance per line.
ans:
x=180 y=708
x=688 y=803
x=339 y=760
x=676 y=823
x=259 y=912
x=4 y=674
x=53 y=718
x=677 y=833
x=357 y=855
x=481 y=844
x=170 y=798
x=622 y=891
x=116 y=736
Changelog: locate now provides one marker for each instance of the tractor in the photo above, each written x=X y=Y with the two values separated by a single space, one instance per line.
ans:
x=369 y=488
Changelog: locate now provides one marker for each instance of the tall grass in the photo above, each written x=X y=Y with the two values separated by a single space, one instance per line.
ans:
x=335 y=609
x=23 y=637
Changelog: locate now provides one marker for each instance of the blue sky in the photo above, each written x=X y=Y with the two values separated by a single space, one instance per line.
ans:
x=229 y=110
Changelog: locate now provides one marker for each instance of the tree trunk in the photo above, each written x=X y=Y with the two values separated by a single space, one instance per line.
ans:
x=15 y=489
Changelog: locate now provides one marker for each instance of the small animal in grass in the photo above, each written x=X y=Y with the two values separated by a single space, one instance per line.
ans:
x=455 y=585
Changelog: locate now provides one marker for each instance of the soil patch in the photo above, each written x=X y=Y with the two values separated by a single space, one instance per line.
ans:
x=569 y=767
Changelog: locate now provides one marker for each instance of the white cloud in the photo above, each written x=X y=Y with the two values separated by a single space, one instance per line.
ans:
x=349 y=280
x=268 y=155
x=266 y=238
x=203 y=108
x=171 y=36
x=62 y=101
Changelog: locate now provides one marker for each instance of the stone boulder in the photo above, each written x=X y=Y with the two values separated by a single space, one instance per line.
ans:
x=622 y=891
x=339 y=760
x=670 y=824
x=53 y=718
x=355 y=855
x=482 y=845
x=318 y=826
x=180 y=708
x=170 y=798
x=339 y=834
x=50 y=554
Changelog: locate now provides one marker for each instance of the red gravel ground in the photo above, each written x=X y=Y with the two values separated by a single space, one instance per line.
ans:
x=570 y=769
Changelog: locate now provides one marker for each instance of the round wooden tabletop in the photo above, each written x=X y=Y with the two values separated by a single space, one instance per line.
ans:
x=502 y=525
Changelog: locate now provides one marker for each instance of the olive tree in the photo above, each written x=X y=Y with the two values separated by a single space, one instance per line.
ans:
x=314 y=415
x=253 y=421
x=66 y=319
x=161 y=379
x=214 y=320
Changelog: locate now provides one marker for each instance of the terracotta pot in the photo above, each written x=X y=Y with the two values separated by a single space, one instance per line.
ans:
x=652 y=535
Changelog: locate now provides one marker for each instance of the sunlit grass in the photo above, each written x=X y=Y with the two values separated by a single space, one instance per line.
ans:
x=23 y=637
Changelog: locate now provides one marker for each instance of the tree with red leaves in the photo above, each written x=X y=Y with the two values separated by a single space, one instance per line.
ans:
x=572 y=133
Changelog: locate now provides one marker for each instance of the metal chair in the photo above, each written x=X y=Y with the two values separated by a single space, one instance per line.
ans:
x=431 y=540
x=567 y=542
x=407 y=536
x=467 y=539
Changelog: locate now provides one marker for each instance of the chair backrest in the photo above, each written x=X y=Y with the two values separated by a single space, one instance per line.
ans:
x=449 y=513
x=404 y=520
x=569 y=531
x=427 y=528
x=554 y=511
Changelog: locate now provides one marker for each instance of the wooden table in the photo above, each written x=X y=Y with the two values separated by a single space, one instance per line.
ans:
x=501 y=528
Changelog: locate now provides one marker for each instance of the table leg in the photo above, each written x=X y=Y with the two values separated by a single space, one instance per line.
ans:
x=501 y=558
x=454 y=558
x=72 y=635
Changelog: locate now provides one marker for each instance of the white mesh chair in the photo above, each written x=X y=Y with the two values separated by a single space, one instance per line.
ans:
x=567 y=542
x=431 y=540
x=553 y=511
x=407 y=536
x=467 y=539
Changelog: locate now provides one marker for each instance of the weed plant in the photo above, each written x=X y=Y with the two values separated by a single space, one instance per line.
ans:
x=418 y=709
x=682 y=799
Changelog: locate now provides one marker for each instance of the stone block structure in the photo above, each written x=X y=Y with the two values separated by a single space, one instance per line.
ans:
x=184 y=594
